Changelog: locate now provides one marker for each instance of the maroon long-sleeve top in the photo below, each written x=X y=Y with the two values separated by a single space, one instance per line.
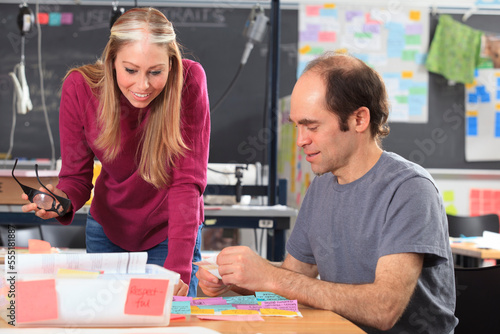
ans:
x=135 y=215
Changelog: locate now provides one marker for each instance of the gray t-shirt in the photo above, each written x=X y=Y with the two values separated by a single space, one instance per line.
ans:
x=394 y=208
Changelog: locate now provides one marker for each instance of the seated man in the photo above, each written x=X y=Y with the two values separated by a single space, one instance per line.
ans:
x=372 y=224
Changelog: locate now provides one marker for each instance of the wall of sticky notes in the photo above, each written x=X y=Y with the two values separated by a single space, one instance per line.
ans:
x=482 y=114
x=393 y=41
x=470 y=193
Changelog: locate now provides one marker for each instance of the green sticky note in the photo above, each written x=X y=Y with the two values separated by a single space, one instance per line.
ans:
x=413 y=40
x=448 y=196
x=409 y=55
x=402 y=99
x=451 y=210
x=418 y=90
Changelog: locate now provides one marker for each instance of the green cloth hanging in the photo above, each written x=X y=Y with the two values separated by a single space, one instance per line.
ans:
x=454 y=51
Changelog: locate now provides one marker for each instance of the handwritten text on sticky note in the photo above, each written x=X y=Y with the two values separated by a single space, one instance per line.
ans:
x=146 y=296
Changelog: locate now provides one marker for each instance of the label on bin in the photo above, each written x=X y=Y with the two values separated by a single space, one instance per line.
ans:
x=146 y=296
x=36 y=300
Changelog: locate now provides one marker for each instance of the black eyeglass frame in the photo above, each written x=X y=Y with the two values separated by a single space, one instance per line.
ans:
x=64 y=203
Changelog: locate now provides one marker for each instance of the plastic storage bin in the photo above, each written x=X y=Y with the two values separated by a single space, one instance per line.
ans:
x=107 y=300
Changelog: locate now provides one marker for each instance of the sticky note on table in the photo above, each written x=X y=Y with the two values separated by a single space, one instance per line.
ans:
x=36 y=300
x=146 y=296
x=181 y=307
x=270 y=311
x=39 y=247
x=286 y=305
x=266 y=295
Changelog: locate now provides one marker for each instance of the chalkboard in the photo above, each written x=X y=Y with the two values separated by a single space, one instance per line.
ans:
x=212 y=36
x=440 y=143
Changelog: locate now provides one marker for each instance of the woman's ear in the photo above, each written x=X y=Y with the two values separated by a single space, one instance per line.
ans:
x=362 y=118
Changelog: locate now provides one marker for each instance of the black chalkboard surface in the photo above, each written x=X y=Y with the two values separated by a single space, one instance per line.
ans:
x=212 y=36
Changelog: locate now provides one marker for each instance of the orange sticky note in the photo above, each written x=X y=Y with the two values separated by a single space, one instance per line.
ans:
x=146 y=296
x=39 y=247
x=36 y=300
x=415 y=15
x=407 y=74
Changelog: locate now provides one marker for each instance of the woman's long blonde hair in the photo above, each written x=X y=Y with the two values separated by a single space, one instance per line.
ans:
x=162 y=140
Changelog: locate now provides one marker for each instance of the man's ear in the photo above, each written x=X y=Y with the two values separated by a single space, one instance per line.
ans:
x=362 y=118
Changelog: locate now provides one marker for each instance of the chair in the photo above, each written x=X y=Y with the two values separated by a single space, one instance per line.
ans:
x=64 y=236
x=472 y=226
x=478 y=292
x=22 y=234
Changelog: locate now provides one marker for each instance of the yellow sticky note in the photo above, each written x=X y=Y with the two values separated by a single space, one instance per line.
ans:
x=197 y=310
x=329 y=5
x=471 y=112
x=272 y=311
x=305 y=49
x=415 y=15
x=407 y=74
x=210 y=221
x=497 y=106
x=72 y=273
x=239 y=312
x=343 y=50
x=448 y=196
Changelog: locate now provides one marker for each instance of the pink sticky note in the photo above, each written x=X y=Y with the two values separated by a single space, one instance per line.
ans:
x=312 y=10
x=39 y=247
x=287 y=305
x=327 y=36
x=249 y=317
x=209 y=301
x=146 y=296
x=36 y=300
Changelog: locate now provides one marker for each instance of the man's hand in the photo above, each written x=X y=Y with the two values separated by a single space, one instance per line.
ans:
x=209 y=284
x=241 y=266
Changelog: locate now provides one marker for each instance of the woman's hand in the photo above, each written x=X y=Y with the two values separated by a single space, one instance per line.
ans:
x=181 y=288
x=41 y=212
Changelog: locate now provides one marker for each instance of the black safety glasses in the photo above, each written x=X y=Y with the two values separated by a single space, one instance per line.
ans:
x=46 y=201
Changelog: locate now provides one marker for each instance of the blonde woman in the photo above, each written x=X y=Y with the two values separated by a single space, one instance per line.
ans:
x=143 y=112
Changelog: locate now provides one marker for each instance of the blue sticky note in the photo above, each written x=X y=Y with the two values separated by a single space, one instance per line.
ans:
x=241 y=300
x=217 y=308
x=267 y=296
x=329 y=12
x=300 y=67
x=497 y=124
x=416 y=104
x=420 y=58
x=471 y=126
x=472 y=98
x=480 y=90
x=54 y=19
x=498 y=82
x=485 y=98
x=498 y=94
x=183 y=307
